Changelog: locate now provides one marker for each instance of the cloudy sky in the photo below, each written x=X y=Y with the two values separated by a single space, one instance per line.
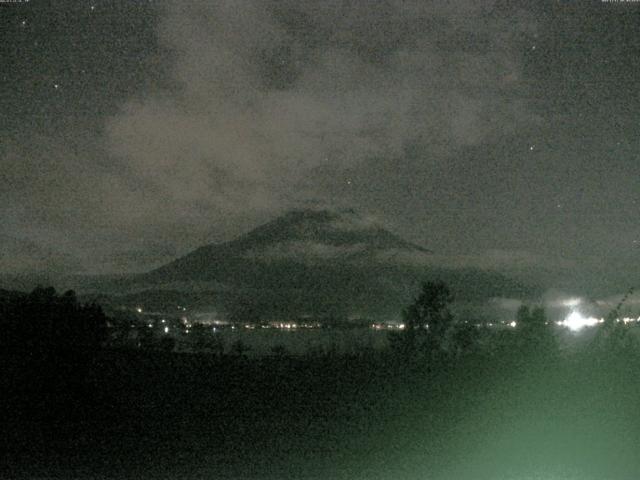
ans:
x=134 y=131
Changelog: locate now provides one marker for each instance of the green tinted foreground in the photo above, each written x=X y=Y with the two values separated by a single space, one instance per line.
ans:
x=505 y=415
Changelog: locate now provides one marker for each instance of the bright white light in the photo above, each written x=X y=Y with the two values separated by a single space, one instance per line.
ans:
x=166 y=329
x=513 y=324
x=576 y=321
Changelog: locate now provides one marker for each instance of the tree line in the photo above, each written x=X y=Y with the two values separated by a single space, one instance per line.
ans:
x=44 y=321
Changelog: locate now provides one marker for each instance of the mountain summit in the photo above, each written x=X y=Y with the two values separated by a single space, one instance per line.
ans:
x=309 y=237
x=338 y=228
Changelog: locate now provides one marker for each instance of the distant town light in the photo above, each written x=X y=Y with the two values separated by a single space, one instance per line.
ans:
x=166 y=329
x=139 y=309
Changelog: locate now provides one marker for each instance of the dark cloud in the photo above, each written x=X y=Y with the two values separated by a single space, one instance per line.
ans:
x=273 y=95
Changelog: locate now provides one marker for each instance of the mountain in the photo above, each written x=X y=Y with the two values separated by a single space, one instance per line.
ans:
x=305 y=237
x=330 y=263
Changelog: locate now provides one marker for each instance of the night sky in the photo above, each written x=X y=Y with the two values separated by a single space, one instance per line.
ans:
x=497 y=132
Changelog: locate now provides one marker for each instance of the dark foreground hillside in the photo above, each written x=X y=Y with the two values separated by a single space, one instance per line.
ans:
x=127 y=414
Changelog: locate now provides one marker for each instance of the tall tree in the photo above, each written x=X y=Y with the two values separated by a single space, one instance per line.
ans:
x=428 y=319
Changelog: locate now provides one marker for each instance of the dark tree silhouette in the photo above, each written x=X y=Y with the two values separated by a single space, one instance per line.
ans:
x=49 y=344
x=44 y=321
x=427 y=320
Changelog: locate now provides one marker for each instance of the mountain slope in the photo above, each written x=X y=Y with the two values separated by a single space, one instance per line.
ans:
x=318 y=238
x=325 y=263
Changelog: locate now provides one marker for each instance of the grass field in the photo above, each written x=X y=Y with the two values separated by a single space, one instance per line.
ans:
x=132 y=414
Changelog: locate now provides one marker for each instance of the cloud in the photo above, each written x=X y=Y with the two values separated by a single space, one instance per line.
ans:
x=20 y=255
x=265 y=104
x=509 y=304
x=494 y=259
x=270 y=93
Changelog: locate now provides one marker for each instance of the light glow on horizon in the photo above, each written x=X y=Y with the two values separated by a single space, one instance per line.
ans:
x=575 y=321
x=572 y=302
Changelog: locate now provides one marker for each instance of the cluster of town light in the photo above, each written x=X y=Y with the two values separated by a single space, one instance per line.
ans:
x=387 y=326
x=575 y=321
